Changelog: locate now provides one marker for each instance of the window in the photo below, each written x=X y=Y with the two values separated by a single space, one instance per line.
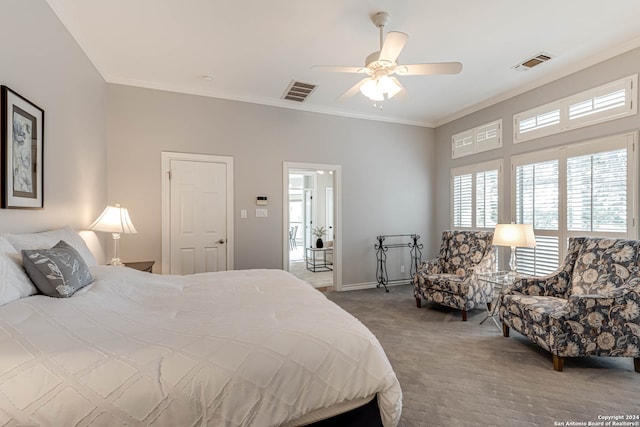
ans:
x=597 y=192
x=537 y=204
x=603 y=103
x=462 y=200
x=539 y=120
x=487 y=199
x=482 y=138
x=475 y=194
x=579 y=190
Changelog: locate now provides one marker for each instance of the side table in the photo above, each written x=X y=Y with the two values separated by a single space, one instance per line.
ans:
x=498 y=280
x=316 y=259
x=141 y=265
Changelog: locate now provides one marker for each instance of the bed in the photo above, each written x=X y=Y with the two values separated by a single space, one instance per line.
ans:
x=238 y=348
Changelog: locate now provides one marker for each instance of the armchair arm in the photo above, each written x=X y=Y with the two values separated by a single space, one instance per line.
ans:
x=623 y=302
x=555 y=285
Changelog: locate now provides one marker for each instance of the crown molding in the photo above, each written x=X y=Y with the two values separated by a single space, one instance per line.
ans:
x=279 y=103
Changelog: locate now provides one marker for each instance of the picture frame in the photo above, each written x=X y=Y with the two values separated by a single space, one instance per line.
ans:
x=21 y=152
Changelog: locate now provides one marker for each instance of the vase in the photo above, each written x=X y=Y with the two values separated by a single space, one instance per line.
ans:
x=319 y=243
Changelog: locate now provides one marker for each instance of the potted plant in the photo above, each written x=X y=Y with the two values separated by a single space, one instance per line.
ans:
x=319 y=232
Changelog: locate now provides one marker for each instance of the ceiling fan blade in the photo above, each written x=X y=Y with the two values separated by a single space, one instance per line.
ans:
x=402 y=89
x=393 y=45
x=424 y=69
x=352 y=91
x=338 y=69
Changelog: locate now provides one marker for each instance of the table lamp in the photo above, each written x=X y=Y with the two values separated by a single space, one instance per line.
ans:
x=514 y=235
x=115 y=220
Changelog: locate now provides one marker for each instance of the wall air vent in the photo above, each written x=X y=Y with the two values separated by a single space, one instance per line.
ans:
x=532 y=62
x=298 y=91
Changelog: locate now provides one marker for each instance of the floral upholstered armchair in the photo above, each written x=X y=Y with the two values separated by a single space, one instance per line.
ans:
x=589 y=306
x=451 y=278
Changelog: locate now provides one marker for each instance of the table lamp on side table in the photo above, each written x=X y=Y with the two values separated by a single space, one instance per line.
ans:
x=514 y=235
x=115 y=220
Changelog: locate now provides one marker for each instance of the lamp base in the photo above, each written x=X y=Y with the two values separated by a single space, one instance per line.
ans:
x=116 y=262
x=513 y=262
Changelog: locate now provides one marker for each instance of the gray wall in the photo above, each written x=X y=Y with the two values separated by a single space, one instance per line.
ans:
x=613 y=69
x=387 y=170
x=41 y=62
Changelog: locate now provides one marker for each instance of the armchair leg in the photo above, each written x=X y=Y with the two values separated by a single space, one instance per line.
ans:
x=464 y=315
x=505 y=330
x=419 y=302
x=558 y=363
x=636 y=364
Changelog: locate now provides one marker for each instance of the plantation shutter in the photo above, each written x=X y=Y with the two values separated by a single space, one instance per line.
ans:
x=482 y=138
x=462 y=200
x=462 y=144
x=541 y=260
x=488 y=137
x=604 y=102
x=538 y=121
x=597 y=192
x=607 y=102
x=487 y=198
x=537 y=203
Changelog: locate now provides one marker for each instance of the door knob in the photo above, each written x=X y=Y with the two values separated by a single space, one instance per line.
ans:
x=221 y=241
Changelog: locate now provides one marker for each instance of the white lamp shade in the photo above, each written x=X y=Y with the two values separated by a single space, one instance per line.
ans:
x=514 y=235
x=114 y=219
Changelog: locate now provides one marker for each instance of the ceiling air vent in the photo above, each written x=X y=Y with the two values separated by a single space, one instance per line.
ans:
x=532 y=62
x=298 y=91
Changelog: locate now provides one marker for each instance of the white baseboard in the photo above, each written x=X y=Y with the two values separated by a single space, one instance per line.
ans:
x=370 y=285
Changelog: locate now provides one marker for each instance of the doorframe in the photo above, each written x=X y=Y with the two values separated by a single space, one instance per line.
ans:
x=287 y=168
x=167 y=157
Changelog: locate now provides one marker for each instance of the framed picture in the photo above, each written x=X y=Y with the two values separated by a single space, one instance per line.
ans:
x=22 y=160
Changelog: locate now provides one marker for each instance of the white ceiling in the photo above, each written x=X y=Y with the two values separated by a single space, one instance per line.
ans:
x=253 y=49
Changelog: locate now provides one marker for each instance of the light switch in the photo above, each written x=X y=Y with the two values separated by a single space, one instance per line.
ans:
x=262 y=213
x=243 y=213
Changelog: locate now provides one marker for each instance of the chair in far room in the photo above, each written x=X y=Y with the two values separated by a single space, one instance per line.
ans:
x=451 y=278
x=292 y=237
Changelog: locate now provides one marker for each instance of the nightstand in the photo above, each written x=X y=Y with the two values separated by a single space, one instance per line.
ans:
x=141 y=265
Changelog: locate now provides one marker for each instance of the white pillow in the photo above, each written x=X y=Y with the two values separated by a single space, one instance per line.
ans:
x=14 y=282
x=48 y=239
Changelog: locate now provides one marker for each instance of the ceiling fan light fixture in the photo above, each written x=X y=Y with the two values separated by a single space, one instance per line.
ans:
x=380 y=89
x=370 y=90
x=382 y=64
x=388 y=86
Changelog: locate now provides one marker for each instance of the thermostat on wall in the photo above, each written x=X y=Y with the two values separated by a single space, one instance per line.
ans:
x=261 y=200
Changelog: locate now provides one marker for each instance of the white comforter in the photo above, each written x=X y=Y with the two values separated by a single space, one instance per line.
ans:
x=256 y=347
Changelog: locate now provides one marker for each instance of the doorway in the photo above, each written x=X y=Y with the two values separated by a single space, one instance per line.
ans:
x=197 y=213
x=311 y=212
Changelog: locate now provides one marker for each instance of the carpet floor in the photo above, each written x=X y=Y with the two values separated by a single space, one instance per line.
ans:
x=456 y=373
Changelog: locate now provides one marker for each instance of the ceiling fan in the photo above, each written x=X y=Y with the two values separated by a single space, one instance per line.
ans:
x=380 y=66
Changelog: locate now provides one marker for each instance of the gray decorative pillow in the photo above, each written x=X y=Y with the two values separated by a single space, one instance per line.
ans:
x=57 y=272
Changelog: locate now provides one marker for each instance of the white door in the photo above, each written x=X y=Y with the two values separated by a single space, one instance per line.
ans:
x=308 y=219
x=198 y=216
x=329 y=212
